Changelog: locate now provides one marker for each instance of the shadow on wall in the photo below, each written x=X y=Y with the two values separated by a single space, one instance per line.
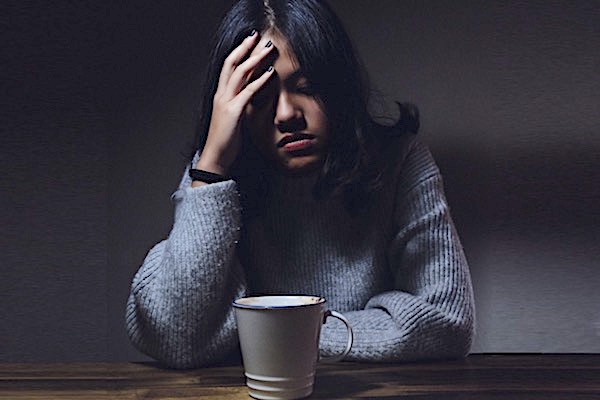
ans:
x=553 y=193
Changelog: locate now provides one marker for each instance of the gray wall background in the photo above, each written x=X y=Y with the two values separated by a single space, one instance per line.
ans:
x=98 y=109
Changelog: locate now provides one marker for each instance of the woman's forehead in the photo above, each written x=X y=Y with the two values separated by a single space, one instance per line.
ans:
x=281 y=57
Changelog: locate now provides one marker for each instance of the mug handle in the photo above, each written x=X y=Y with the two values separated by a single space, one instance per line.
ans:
x=343 y=354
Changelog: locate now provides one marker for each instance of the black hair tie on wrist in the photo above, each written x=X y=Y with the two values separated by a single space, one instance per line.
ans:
x=206 y=177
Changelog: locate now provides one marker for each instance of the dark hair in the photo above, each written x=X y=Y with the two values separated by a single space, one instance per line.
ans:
x=353 y=167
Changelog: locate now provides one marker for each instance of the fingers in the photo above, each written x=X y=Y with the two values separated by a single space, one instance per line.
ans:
x=242 y=73
x=253 y=87
x=235 y=57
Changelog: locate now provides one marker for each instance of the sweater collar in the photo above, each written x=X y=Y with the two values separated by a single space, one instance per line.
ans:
x=295 y=187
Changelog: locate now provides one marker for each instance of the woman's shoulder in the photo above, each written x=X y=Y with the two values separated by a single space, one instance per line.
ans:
x=410 y=161
x=399 y=142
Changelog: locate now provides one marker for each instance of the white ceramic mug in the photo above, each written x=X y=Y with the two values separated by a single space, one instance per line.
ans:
x=279 y=338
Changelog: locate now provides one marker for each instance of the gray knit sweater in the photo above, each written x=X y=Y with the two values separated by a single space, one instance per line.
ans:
x=397 y=271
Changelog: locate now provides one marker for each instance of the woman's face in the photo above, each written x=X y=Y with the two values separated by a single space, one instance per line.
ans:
x=285 y=120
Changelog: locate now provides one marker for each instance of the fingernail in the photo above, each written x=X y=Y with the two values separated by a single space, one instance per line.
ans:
x=269 y=44
x=270 y=68
x=253 y=32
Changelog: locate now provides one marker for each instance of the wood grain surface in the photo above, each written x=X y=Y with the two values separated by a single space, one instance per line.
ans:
x=477 y=377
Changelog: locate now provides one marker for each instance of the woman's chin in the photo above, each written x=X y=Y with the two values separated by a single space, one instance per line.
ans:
x=300 y=166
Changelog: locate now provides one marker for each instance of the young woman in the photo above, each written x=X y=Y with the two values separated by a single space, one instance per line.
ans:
x=294 y=188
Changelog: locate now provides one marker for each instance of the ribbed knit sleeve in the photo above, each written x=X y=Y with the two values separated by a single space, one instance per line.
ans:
x=430 y=311
x=179 y=310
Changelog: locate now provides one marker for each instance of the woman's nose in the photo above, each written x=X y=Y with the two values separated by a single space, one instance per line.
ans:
x=286 y=112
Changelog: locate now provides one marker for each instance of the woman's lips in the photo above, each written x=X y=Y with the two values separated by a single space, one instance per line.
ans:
x=296 y=142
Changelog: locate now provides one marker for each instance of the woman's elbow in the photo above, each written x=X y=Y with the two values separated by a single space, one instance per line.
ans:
x=457 y=338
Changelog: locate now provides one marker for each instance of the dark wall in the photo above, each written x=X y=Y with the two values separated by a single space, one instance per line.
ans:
x=54 y=214
x=100 y=106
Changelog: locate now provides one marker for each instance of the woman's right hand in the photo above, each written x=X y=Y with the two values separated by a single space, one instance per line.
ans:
x=234 y=92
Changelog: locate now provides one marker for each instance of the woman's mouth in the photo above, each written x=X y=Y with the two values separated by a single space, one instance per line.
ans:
x=296 y=142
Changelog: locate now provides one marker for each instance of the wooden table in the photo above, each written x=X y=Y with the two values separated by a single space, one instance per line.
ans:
x=568 y=377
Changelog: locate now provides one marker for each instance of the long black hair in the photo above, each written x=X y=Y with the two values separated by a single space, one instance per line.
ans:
x=353 y=166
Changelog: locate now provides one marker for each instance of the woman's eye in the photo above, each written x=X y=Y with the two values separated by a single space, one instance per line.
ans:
x=262 y=97
x=305 y=90
x=259 y=100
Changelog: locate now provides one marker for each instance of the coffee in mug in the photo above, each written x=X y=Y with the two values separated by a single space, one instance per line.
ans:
x=279 y=338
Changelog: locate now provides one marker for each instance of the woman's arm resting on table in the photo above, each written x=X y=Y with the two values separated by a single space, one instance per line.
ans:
x=179 y=310
x=430 y=314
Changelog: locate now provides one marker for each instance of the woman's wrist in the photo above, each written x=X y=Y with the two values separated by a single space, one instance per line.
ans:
x=213 y=166
x=207 y=171
x=205 y=176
